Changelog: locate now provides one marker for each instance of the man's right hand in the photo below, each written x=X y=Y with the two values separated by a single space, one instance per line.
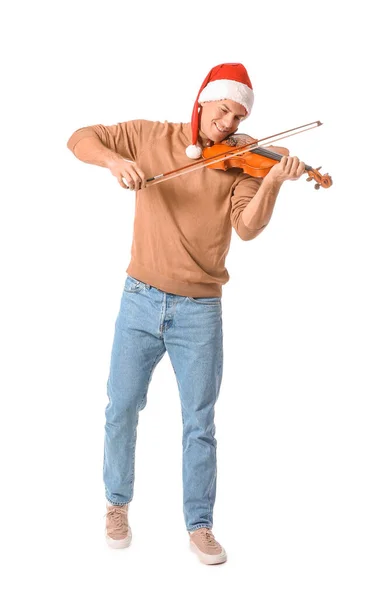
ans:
x=130 y=171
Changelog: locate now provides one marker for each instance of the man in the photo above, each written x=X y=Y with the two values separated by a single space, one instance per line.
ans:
x=172 y=294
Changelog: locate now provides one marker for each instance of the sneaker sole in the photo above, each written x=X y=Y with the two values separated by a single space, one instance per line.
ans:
x=208 y=559
x=124 y=543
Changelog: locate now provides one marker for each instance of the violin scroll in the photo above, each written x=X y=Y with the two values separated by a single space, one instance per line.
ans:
x=324 y=181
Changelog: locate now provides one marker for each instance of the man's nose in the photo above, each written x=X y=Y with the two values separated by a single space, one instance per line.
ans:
x=228 y=120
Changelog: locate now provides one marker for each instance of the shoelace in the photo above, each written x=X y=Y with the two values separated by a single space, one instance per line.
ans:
x=118 y=517
x=208 y=537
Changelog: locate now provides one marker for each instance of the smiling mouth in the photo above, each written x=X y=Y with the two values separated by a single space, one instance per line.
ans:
x=220 y=130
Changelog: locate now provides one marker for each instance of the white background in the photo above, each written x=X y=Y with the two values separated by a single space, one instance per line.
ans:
x=300 y=418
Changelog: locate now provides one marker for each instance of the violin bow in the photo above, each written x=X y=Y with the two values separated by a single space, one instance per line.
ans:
x=205 y=162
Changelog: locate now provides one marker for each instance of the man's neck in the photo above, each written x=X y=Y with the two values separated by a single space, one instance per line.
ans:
x=203 y=140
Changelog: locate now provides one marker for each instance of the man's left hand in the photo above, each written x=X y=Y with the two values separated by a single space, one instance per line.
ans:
x=289 y=167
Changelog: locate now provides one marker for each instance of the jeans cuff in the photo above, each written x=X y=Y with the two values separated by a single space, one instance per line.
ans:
x=199 y=527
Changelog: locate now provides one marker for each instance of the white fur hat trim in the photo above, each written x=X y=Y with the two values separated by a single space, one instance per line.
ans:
x=220 y=89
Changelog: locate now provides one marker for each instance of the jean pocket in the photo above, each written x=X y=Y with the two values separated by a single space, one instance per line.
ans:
x=133 y=285
x=206 y=300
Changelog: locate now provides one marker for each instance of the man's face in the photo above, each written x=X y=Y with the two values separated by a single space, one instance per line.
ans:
x=220 y=119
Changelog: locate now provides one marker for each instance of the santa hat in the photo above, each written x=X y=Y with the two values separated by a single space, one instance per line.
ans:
x=228 y=81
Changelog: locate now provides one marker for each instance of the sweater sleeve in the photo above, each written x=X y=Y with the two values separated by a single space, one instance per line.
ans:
x=243 y=191
x=127 y=139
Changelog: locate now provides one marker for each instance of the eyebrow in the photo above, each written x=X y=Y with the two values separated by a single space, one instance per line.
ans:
x=225 y=105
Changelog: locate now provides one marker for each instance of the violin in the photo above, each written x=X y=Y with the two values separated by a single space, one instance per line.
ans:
x=247 y=155
x=258 y=162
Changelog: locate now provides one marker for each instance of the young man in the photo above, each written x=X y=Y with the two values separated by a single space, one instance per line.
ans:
x=172 y=294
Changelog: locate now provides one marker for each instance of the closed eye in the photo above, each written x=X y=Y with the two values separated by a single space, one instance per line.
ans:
x=239 y=118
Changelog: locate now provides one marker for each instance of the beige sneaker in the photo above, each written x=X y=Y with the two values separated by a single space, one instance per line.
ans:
x=118 y=532
x=204 y=544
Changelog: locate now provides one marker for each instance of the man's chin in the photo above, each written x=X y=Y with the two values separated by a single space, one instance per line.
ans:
x=218 y=138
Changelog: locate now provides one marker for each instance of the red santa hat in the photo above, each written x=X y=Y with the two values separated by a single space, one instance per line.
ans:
x=228 y=81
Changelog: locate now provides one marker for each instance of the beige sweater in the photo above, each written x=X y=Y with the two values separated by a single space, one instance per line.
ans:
x=183 y=226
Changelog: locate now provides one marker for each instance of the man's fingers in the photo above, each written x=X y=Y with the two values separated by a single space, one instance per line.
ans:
x=122 y=181
x=125 y=181
x=139 y=178
x=301 y=169
x=128 y=174
x=130 y=179
x=135 y=178
x=287 y=162
x=297 y=168
x=142 y=177
x=290 y=167
x=294 y=166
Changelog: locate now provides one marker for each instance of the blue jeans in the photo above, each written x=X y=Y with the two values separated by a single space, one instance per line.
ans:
x=150 y=322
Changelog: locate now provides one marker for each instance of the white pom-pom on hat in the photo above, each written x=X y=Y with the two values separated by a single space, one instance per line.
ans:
x=194 y=151
x=227 y=81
